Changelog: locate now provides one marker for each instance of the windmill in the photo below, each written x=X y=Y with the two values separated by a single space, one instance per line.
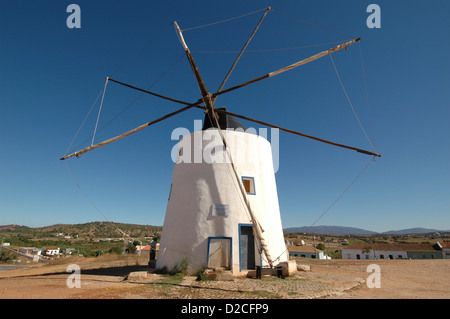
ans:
x=223 y=213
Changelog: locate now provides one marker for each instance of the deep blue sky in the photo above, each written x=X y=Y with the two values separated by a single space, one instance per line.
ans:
x=50 y=76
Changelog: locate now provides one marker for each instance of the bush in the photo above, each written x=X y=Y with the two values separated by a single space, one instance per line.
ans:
x=86 y=252
x=130 y=248
x=115 y=250
x=201 y=274
x=181 y=267
x=6 y=256
x=321 y=246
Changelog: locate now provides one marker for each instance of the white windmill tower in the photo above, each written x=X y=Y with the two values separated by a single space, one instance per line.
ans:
x=223 y=209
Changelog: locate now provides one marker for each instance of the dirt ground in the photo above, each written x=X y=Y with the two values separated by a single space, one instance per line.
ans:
x=125 y=277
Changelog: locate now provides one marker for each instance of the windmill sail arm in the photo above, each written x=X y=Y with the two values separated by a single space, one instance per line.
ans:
x=135 y=130
x=314 y=57
x=301 y=134
x=194 y=68
x=149 y=92
x=243 y=49
x=290 y=67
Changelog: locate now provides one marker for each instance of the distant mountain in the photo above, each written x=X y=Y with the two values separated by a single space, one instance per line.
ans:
x=332 y=230
x=341 y=230
x=417 y=230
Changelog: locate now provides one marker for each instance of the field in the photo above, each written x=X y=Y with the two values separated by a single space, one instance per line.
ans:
x=126 y=277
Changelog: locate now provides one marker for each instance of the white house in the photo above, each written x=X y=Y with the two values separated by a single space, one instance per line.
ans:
x=374 y=251
x=391 y=251
x=306 y=251
x=207 y=222
x=51 y=251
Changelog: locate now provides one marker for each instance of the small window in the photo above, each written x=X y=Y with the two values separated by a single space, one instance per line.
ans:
x=249 y=185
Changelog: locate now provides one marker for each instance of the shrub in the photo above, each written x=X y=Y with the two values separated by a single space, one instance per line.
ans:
x=115 y=250
x=6 y=256
x=181 y=267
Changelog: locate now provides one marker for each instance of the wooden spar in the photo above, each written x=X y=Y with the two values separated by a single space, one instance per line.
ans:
x=300 y=134
x=205 y=93
x=149 y=92
x=242 y=51
x=289 y=67
x=137 y=129
x=213 y=116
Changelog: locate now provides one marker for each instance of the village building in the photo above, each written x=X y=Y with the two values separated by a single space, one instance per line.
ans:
x=68 y=251
x=145 y=250
x=306 y=251
x=30 y=251
x=391 y=251
x=51 y=251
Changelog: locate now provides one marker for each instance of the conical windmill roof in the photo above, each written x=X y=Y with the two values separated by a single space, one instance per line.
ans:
x=225 y=121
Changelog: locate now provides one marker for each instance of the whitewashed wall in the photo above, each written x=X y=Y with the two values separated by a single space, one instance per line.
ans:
x=189 y=221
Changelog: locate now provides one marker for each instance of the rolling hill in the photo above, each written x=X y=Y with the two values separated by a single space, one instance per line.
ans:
x=92 y=230
x=113 y=230
x=341 y=230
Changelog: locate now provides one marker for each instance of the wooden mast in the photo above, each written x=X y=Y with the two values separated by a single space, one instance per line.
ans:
x=206 y=95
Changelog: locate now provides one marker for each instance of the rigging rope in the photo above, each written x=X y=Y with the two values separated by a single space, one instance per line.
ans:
x=310 y=23
x=365 y=89
x=123 y=111
x=279 y=49
x=222 y=21
x=82 y=124
x=351 y=105
x=99 y=111
x=342 y=194
x=92 y=203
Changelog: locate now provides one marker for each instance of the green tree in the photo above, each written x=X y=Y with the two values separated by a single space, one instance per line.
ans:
x=115 y=250
x=130 y=248
x=321 y=246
